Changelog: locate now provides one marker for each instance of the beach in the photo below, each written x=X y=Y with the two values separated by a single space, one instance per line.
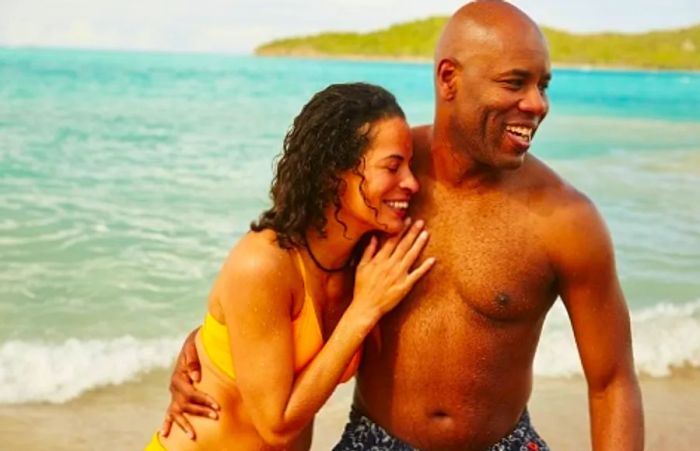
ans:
x=124 y=417
x=126 y=177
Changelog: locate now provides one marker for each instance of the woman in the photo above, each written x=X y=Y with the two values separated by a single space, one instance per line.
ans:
x=298 y=294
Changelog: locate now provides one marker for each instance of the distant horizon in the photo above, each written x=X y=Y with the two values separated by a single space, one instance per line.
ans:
x=555 y=65
x=220 y=26
x=251 y=52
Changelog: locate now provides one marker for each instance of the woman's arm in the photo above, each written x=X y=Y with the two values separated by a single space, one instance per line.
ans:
x=257 y=305
x=381 y=281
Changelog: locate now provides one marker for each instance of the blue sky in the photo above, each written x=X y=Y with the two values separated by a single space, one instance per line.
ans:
x=237 y=26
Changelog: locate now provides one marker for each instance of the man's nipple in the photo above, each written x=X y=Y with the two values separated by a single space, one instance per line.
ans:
x=503 y=299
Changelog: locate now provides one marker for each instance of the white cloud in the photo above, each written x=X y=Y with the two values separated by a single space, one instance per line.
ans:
x=238 y=26
x=622 y=15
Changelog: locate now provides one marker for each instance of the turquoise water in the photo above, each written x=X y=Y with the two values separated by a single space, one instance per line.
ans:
x=126 y=177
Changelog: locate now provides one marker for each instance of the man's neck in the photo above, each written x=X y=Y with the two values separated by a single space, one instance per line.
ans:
x=455 y=167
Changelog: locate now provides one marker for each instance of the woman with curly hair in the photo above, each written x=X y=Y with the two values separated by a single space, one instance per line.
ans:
x=299 y=293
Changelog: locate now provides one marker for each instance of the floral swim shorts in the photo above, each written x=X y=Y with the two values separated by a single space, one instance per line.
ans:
x=362 y=434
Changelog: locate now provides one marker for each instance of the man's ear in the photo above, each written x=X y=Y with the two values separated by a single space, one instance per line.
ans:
x=446 y=76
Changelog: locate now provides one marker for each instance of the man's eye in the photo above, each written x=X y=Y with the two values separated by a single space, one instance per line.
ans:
x=515 y=83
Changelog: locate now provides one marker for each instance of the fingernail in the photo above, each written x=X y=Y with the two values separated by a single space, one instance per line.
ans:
x=432 y=260
x=419 y=223
x=423 y=235
x=215 y=406
x=190 y=435
x=407 y=221
x=212 y=415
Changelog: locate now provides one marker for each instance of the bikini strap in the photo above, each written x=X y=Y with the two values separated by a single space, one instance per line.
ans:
x=302 y=269
x=307 y=296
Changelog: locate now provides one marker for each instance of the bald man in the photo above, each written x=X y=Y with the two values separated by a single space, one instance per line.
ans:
x=451 y=367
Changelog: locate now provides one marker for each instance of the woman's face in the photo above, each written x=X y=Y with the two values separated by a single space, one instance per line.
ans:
x=381 y=200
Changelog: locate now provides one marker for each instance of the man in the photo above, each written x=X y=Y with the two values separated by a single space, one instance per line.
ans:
x=451 y=366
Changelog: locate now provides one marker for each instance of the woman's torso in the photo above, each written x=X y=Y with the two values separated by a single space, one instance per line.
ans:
x=234 y=429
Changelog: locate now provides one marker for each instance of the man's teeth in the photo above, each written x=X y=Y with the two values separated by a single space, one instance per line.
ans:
x=401 y=204
x=525 y=132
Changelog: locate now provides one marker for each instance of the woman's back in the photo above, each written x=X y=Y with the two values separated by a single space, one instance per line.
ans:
x=281 y=330
x=235 y=425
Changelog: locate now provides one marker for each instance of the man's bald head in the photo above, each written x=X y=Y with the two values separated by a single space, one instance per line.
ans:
x=492 y=70
x=483 y=24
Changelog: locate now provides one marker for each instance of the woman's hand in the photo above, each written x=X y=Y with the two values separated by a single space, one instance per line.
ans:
x=384 y=277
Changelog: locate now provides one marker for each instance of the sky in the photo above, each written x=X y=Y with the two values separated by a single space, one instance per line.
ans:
x=237 y=26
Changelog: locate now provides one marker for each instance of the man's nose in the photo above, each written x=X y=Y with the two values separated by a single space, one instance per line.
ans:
x=535 y=102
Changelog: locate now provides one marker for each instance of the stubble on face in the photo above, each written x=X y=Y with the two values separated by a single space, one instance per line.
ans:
x=487 y=39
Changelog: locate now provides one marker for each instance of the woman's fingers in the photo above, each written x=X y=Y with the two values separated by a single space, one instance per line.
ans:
x=419 y=272
x=369 y=251
x=405 y=282
x=389 y=245
x=417 y=246
x=408 y=240
x=384 y=274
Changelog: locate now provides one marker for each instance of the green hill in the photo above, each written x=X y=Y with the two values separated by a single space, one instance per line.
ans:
x=670 y=49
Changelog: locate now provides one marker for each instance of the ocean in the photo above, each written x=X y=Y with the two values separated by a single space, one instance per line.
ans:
x=126 y=177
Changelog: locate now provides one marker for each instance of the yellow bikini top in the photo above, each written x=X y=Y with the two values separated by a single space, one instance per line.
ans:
x=306 y=330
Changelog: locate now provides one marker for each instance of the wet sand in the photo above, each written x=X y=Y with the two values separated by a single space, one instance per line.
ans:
x=124 y=417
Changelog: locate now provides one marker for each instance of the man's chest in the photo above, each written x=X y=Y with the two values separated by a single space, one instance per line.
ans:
x=492 y=260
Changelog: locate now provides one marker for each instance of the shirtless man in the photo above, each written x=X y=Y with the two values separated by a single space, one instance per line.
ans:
x=451 y=366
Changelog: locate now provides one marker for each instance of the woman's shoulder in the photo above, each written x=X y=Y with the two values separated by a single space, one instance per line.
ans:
x=259 y=255
x=257 y=276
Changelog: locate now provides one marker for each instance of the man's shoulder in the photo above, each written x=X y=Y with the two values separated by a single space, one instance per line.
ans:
x=540 y=178
x=562 y=208
x=422 y=136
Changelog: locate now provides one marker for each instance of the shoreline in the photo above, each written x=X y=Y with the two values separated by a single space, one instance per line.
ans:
x=349 y=58
x=125 y=416
x=426 y=60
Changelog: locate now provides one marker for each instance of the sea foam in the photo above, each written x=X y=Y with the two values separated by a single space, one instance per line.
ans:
x=664 y=337
x=33 y=371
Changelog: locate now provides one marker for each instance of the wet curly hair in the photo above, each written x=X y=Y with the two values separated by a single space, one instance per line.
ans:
x=327 y=139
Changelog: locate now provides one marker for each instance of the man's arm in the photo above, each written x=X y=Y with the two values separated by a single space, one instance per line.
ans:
x=591 y=292
x=184 y=397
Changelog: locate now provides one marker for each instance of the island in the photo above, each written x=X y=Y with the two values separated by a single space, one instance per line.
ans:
x=414 y=41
